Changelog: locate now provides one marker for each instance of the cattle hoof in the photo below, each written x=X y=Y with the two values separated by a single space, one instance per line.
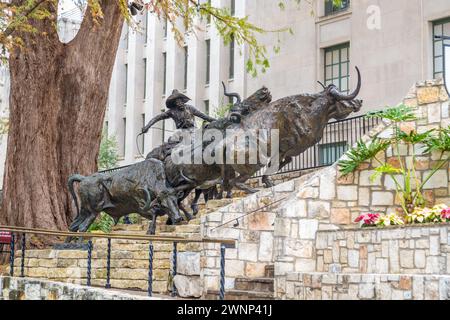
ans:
x=178 y=221
x=229 y=195
x=169 y=222
x=194 y=208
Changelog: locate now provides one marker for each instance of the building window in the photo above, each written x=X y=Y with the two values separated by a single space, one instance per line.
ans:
x=231 y=71
x=337 y=60
x=208 y=19
x=164 y=72
x=126 y=84
x=208 y=60
x=146 y=27
x=207 y=107
x=165 y=26
x=331 y=152
x=331 y=7
x=232 y=7
x=186 y=57
x=124 y=141
x=142 y=142
x=145 y=78
x=440 y=28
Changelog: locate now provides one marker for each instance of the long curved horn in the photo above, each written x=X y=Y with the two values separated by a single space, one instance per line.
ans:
x=234 y=95
x=339 y=96
x=323 y=86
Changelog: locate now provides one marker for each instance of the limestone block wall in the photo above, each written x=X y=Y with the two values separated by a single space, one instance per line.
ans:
x=419 y=249
x=254 y=235
x=331 y=286
x=328 y=201
x=129 y=262
x=285 y=233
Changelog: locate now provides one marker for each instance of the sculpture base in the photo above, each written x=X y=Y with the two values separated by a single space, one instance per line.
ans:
x=70 y=246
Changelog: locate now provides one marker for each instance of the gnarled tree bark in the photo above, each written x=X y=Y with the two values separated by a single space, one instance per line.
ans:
x=57 y=105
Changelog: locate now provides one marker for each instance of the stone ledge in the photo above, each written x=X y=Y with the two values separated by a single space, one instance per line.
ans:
x=358 y=229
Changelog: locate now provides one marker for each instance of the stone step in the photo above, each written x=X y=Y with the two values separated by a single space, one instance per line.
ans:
x=256 y=284
x=240 y=295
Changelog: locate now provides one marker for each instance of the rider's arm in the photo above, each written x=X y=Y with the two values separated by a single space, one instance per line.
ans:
x=159 y=117
x=200 y=114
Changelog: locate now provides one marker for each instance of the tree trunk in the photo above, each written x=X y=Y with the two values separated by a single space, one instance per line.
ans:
x=57 y=106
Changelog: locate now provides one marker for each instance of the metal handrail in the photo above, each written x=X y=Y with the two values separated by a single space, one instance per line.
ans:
x=224 y=243
x=125 y=236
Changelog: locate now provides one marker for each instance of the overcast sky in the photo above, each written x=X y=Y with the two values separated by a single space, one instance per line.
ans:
x=68 y=9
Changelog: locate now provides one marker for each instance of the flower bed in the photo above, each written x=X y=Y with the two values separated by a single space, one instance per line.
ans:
x=438 y=214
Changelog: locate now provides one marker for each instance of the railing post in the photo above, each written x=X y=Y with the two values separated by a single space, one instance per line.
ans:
x=89 y=260
x=22 y=263
x=11 y=255
x=222 y=272
x=150 y=269
x=174 y=269
x=108 y=266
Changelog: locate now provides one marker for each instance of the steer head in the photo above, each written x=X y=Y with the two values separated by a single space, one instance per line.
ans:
x=341 y=105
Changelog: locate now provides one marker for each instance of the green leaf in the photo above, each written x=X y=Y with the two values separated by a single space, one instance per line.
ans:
x=401 y=113
x=361 y=153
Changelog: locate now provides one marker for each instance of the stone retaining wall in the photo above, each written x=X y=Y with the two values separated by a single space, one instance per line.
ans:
x=330 y=202
x=12 y=288
x=328 y=286
x=404 y=250
x=254 y=235
x=287 y=233
x=129 y=262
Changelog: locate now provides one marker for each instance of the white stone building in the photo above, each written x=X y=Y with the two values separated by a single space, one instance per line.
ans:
x=391 y=42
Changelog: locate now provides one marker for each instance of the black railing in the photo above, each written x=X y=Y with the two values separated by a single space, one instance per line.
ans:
x=224 y=243
x=337 y=138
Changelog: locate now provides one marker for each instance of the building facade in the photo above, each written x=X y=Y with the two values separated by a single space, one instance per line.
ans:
x=392 y=42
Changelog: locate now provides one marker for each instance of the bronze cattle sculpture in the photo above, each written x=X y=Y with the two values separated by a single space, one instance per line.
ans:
x=158 y=185
x=141 y=188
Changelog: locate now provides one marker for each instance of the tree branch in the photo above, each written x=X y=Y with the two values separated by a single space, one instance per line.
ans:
x=10 y=29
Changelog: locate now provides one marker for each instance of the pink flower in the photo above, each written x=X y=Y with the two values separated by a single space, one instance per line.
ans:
x=446 y=214
x=368 y=218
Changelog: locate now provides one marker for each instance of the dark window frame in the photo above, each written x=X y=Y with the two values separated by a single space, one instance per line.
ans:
x=208 y=61
x=232 y=49
x=340 y=62
x=331 y=9
x=328 y=158
x=164 y=72
x=145 y=78
x=437 y=55
x=206 y=103
x=186 y=61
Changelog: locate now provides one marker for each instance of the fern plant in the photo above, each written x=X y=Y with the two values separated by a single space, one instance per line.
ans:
x=410 y=188
x=103 y=223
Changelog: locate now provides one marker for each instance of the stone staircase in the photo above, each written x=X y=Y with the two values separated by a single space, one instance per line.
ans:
x=250 y=288
x=129 y=260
